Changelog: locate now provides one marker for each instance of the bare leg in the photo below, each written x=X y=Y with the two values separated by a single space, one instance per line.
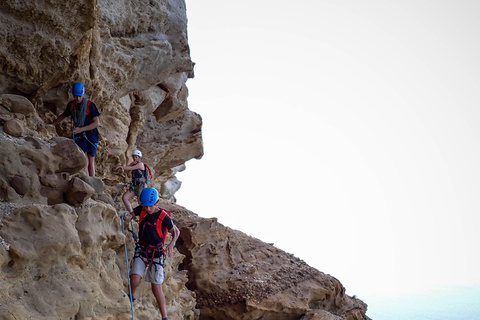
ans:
x=134 y=282
x=126 y=200
x=160 y=297
x=91 y=165
x=85 y=169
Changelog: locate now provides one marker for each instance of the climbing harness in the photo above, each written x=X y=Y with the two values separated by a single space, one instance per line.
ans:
x=158 y=223
x=147 y=250
x=126 y=260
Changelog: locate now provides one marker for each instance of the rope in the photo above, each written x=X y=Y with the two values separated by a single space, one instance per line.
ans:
x=95 y=145
x=121 y=186
x=128 y=272
x=79 y=120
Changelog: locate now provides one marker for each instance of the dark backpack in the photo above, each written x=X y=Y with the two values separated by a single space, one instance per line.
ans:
x=158 y=223
x=142 y=177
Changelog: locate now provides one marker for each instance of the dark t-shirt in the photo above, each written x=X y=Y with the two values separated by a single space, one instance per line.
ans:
x=136 y=175
x=148 y=232
x=92 y=135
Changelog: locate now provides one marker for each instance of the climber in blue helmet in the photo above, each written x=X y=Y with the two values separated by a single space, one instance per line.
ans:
x=154 y=223
x=85 y=119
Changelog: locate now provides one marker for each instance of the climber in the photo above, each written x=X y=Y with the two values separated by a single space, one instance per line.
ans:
x=138 y=179
x=85 y=118
x=153 y=225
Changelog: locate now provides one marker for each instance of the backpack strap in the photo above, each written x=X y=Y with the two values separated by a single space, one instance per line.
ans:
x=149 y=250
x=158 y=223
x=142 y=215
x=88 y=107
x=161 y=233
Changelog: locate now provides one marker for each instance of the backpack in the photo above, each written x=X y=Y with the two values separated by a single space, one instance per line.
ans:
x=88 y=107
x=147 y=249
x=158 y=223
x=147 y=173
x=141 y=177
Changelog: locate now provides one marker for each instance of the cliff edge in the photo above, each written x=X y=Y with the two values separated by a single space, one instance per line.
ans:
x=63 y=252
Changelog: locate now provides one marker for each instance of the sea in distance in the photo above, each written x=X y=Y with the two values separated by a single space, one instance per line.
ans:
x=443 y=303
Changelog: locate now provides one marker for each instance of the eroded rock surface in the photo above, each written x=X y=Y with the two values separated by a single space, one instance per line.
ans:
x=62 y=243
x=134 y=60
x=236 y=276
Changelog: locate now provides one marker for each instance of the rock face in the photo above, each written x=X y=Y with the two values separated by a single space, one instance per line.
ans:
x=134 y=60
x=236 y=276
x=63 y=246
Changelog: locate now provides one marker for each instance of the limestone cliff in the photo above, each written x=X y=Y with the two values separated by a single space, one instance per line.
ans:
x=62 y=252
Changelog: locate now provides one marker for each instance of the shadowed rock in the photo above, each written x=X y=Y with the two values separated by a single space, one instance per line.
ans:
x=62 y=253
x=79 y=192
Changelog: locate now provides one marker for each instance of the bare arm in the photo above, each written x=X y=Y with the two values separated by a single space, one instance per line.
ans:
x=175 y=234
x=131 y=167
x=59 y=119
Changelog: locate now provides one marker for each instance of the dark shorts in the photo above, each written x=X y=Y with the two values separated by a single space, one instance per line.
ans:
x=138 y=189
x=87 y=146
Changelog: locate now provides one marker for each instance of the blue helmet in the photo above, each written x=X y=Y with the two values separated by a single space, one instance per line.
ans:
x=148 y=197
x=78 y=89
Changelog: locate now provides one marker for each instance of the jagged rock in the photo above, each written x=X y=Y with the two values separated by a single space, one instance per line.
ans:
x=14 y=128
x=62 y=243
x=134 y=64
x=71 y=156
x=36 y=142
x=235 y=276
x=17 y=104
x=5 y=117
x=79 y=192
x=7 y=193
x=54 y=181
x=320 y=315
x=46 y=166
x=170 y=187
x=66 y=260
x=52 y=195
x=106 y=198
x=95 y=183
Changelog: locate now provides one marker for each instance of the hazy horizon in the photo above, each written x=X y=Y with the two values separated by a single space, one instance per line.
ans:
x=357 y=122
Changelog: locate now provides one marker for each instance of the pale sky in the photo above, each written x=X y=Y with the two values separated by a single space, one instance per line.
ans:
x=345 y=132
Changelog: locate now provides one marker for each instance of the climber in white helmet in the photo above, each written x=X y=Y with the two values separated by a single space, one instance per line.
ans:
x=138 y=179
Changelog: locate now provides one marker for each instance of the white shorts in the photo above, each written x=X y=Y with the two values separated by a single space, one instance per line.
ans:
x=155 y=273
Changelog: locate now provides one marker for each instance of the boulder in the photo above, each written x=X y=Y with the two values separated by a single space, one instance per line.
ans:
x=79 y=192
x=14 y=127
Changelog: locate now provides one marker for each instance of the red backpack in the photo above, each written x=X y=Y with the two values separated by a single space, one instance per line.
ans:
x=88 y=107
x=158 y=223
x=147 y=173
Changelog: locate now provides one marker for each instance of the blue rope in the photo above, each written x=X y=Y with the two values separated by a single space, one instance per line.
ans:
x=128 y=272
x=117 y=193
x=74 y=123
x=95 y=145
x=121 y=186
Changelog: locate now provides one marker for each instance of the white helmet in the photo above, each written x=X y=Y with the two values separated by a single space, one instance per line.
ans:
x=137 y=153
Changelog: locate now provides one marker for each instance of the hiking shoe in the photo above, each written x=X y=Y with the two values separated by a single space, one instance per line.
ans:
x=133 y=298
